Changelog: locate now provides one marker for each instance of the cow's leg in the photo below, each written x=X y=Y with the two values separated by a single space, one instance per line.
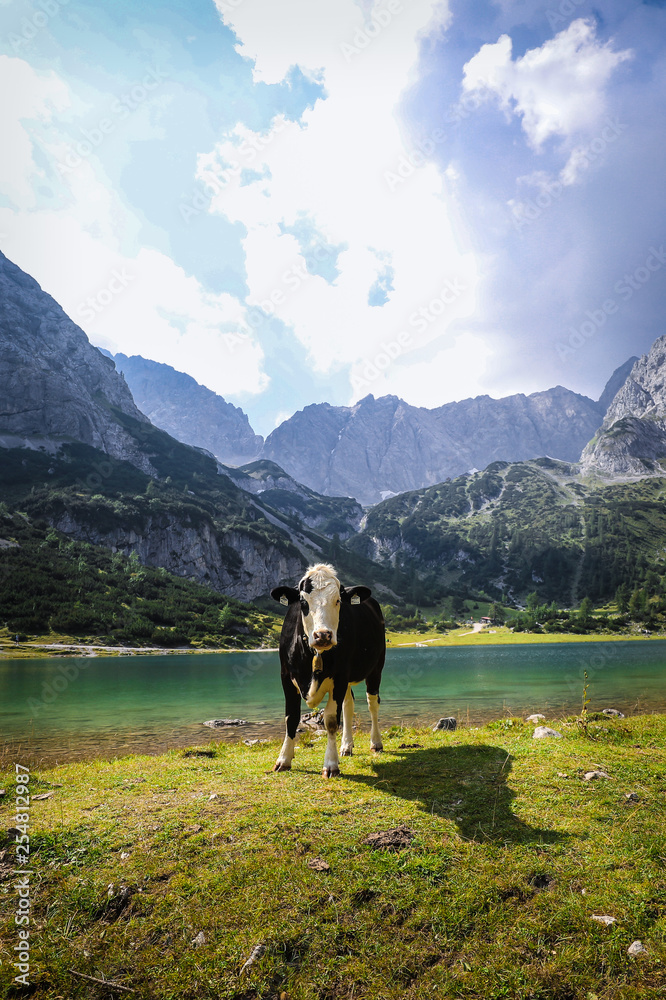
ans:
x=331 y=760
x=347 y=744
x=332 y=714
x=292 y=707
x=372 y=685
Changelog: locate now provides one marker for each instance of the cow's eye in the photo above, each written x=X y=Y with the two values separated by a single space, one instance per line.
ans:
x=305 y=607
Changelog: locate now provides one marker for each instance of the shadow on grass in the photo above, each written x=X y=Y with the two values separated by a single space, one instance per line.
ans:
x=466 y=784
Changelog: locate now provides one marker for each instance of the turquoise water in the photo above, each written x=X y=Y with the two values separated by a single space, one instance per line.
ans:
x=76 y=708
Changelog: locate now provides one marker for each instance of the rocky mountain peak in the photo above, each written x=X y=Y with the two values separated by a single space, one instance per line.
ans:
x=54 y=385
x=615 y=383
x=632 y=438
x=188 y=411
x=385 y=446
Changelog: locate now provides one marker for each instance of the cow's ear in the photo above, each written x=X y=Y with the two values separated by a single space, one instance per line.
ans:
x=285 y=595
x=354 y=595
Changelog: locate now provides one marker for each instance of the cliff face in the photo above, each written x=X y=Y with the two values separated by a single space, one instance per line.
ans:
x=240 y=566
x=54 y=385
x=615 y=383
x=188 y=411
x=57 y=393
x=632 y=438
x=385 y=446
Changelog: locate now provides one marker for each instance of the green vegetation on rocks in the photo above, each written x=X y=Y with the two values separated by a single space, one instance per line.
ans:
x=514 y=529
x=53 y=585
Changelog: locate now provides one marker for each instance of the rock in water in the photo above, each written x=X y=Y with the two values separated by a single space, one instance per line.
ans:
x=218 y=723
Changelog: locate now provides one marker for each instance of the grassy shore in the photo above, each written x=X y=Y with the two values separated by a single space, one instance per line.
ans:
x=61 y=645
x=501 y=636
x=512 y=854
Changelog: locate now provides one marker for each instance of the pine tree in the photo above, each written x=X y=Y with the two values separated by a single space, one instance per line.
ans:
x=585 y=611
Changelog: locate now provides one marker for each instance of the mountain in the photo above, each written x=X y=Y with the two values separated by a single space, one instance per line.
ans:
x=77 y=453
x=517 y=528
x=632 y=439
x=331 y=516
x=385 y=446
x=379 y=447
x=615 y=383
x=54 y=385
x=188 y=411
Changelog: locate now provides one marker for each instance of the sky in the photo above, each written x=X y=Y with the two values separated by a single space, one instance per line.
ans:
x=298 y=201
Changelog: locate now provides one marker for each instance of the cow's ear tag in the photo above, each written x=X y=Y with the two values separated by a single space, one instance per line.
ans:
x=355 y=599
x=284 y=600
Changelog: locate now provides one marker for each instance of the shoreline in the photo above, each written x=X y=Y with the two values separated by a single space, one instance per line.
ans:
x=270 y=734
x=40 y=650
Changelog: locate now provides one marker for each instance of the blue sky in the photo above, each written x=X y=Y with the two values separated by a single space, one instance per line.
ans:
x=306 y=200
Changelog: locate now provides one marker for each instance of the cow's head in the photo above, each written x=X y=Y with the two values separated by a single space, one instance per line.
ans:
x=320 y=595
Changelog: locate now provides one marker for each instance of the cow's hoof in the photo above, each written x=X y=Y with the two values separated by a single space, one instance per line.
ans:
x=346 y=751
x=378 y=749
x=331 y=772
x=282 y=766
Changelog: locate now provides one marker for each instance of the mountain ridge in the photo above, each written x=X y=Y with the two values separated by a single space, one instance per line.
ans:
x=382 y=446
x=377 y=447
x=631 y=441
x=189 y=411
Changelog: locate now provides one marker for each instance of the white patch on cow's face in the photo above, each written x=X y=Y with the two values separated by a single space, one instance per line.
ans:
x=320 y=606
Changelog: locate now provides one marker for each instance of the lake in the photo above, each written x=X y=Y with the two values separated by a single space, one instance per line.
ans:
x=64 y=708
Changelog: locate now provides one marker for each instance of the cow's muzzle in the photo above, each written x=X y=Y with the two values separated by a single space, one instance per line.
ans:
x=322 y=640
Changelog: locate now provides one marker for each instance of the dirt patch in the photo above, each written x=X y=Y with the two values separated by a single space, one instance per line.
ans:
x=390 y=840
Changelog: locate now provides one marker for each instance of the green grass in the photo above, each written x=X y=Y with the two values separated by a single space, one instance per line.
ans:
x=513 y=852
x=502 y=636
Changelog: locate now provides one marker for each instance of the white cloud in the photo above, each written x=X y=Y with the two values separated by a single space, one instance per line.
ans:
x=557 y=89
x=344 y=166
x=459 y=370
x=138 y=304
x=34 y=97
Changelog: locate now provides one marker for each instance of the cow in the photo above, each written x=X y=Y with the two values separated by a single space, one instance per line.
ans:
x=332 y=637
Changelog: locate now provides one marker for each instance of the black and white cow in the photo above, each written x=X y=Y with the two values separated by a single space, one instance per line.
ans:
x=332 y=637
